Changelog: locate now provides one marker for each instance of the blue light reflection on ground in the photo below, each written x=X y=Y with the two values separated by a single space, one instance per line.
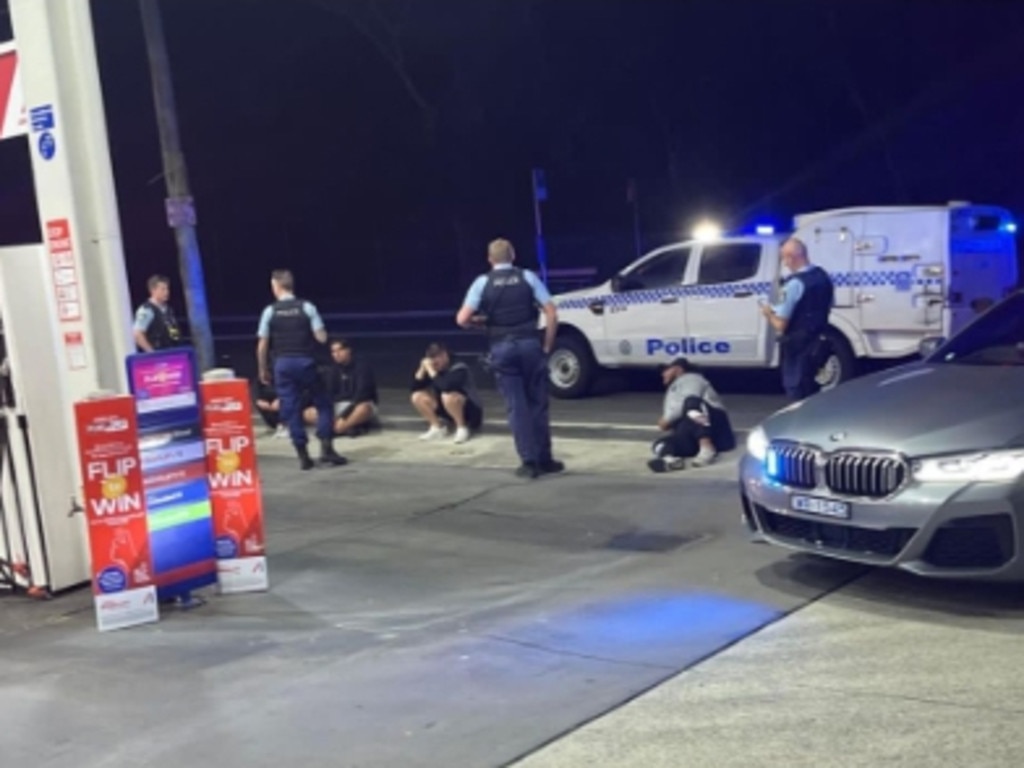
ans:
x=657 y=627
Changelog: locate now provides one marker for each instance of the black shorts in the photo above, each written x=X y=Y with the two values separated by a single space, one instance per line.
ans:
x=473 y=414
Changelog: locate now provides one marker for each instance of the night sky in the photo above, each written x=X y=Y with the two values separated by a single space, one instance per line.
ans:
x=375 y=147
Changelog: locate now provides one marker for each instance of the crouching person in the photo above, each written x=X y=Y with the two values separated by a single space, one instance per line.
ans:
x=444 y=393
x=353 y=388
x=694 y=418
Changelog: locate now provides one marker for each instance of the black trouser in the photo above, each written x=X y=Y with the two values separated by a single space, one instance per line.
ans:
x=799 y=368
x=522 y=371
x=684 y=440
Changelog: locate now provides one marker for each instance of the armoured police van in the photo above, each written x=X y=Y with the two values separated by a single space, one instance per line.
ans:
x=901 y=274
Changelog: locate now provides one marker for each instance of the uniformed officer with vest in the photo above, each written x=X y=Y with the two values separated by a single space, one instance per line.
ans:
x=800 y=319
x=292 y=328
x=156 y=327
x=505 y=302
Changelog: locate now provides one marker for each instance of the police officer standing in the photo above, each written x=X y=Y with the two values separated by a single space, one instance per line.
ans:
x=293 y=328
x=156 y=327
x=505 y=302
x=800 y=319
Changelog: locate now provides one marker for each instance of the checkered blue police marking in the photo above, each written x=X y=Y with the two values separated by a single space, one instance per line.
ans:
x=897 y=279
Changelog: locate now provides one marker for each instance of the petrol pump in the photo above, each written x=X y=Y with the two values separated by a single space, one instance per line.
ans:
x=64 y=303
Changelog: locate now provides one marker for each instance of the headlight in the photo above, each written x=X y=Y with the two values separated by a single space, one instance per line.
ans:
x=990 y=467
x=757 y=444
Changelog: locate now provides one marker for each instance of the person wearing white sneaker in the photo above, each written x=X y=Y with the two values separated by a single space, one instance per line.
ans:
x=444 y=394
x=436 y=432
x=695 y=419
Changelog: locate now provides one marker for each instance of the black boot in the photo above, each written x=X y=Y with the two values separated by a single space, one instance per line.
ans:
x=304 y=461
x=329 y=456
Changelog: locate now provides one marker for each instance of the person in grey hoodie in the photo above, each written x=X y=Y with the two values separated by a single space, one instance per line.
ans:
x=694 y=419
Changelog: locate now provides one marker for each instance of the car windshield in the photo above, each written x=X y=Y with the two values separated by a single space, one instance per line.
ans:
x=996 y=338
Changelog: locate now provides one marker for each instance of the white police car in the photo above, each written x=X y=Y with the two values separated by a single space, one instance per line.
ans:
x=901 y=274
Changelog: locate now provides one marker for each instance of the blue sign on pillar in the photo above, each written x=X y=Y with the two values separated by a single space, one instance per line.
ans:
x=166 y=389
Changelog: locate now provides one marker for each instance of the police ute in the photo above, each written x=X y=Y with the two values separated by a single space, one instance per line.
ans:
x=901 y=274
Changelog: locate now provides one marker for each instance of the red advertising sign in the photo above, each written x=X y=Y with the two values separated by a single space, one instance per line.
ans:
x=234 y=485
x=115 y=509
x=13 y=118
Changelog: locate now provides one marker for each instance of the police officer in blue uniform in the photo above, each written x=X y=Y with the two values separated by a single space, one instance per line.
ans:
x=292 y=328
x=800 y=319
x=156 y=327
x=505 y=302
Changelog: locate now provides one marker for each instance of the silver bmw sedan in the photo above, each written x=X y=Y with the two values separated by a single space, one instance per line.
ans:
x=919 y=467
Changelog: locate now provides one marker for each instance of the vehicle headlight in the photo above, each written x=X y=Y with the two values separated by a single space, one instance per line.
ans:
x=985 y=467
x=757 y=444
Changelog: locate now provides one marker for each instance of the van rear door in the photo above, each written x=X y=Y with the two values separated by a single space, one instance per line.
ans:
x=982 y=262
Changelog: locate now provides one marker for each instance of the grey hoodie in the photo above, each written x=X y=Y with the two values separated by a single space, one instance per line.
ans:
x=688 y=385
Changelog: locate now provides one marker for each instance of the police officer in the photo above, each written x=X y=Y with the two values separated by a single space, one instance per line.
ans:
x=505 y=302
x=156 y=327
x=293 y=328
x=800 y=319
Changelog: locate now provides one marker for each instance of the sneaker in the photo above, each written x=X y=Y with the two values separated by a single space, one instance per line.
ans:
x=281 y=432
x=665 y=464
x=434 y=433
x=704 y=458
x=461 y=435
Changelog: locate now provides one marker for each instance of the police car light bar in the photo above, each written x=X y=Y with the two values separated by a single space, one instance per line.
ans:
x=765 y=229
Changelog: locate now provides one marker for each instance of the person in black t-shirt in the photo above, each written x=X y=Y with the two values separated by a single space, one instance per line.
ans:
x=353 y=389
x=444 y=393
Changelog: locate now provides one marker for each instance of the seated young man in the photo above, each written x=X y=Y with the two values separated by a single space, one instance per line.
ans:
x=443 y=393
x=353 y=389
x=694 y=418
x=269 y=406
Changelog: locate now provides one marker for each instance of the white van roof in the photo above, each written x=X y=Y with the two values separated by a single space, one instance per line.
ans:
x=805 y=219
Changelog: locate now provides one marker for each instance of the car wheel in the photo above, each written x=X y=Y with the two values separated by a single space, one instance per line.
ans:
x=839 y=363
x=571 y=367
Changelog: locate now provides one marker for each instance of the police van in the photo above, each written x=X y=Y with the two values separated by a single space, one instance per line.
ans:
x=901 y=274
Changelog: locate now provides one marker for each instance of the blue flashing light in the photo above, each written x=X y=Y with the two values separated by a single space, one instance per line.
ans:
x=772 y=464
x=1010 y=226
x=765 y=229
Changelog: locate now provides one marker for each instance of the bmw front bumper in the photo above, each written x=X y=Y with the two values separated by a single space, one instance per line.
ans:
x=943 y=530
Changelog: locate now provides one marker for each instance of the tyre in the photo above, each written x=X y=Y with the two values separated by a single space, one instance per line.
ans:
x=571 y=367
x=839 y=363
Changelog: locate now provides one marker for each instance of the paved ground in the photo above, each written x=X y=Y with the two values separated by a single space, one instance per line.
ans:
x=889 y=671
x=428 y=609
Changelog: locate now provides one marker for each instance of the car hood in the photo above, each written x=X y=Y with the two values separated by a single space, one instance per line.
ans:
x=918 y=409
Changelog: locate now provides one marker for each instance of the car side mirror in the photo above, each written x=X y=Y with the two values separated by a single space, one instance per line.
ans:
x=617 y=283
x=926 y=348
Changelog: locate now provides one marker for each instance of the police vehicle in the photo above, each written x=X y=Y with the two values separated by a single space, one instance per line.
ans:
x=901 y=274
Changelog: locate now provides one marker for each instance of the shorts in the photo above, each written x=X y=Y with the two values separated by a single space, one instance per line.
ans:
x=473 y=414
x=341 y=409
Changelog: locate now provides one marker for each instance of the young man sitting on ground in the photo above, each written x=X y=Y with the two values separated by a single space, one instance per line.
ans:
x=443 y=393
x=353 y=389
x=694 y=418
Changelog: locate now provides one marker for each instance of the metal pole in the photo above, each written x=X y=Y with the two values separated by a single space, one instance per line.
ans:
x=636 y=228
x=542 y=256
x=634 y=199
x=181 y=214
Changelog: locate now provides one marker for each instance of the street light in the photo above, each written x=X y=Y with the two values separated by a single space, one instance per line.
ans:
x=707 y=230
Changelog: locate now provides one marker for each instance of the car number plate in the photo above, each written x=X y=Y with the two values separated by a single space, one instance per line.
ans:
x=824 y=507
